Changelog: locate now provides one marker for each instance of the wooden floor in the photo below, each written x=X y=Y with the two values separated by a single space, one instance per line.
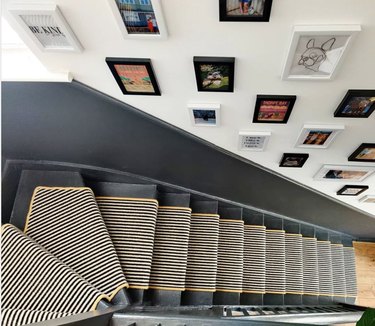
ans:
x=365 y=266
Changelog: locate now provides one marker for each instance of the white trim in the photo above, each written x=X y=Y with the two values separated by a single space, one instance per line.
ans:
x=320 y=30
x=206 y=106
x=157 y=7
x=335 y=129
x=327 y=167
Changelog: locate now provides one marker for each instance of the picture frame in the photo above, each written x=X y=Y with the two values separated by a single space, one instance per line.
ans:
x=245 y=11
x=318 y=136
x=255 y=141
x=273 y=108
x=364 y=153
x=368 y=199
x=317 y=52
x=214 y=74
x=293 y=160
x=134 y=23
x=44 y=26
x=351 y=190
x=357 y=103
x=332 y=173
x=204 y=115
x=134 y=76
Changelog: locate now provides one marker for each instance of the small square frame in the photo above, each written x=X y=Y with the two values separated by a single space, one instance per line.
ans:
x=133 y=61
x=319 y=30
x=218 y=61
x=359 y=150
x=227 y=18
x=205 y=107
x=158 y=11
x=360 y=189
x=355 y=93
x=17 y=10
x=326 y=168
x=263 y=134
x=365 y=199
x=290 y=98
x=303 y=156
x=334 y=129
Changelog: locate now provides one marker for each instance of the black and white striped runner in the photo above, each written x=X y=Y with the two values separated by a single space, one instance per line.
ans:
x=338 y=270
x=293 y=264
x=350 y=272
x=310 y=266
x=325 y=268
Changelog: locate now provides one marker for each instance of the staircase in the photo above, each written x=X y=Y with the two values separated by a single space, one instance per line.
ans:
x=76 y=245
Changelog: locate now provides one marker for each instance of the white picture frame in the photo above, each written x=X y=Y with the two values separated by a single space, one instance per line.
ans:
x=317 y=52
x=334 y=173
x=60 y=33
x=204 y=114
x=254 y=141
x=318 y=136
x=158 y=18
x=368 y=199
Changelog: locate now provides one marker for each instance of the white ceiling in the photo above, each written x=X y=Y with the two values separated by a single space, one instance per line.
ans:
x=259 y=48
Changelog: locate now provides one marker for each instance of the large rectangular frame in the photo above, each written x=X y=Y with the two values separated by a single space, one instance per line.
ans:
x=327 y=167
x=319 y=30
x=336 y=129
x=355 y=93
x=290 y=98
x=205 y=106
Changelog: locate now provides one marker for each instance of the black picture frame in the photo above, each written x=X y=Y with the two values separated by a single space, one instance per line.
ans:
x=111 y=62
x=360 y=188
x=363 y=146
x=224 y=17
x=273 y=98
x=215 y=61
x=350 y=95
x=302 y=156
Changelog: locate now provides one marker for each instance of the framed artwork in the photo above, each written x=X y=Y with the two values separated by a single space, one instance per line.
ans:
x=316 y=52
x=318 y=136
x=245 y=10
x=253 y=140
x=369 y=199
x=142 y=19
x=364 y=153
x=205 y=115
x=134 y=76
x=352 y=190
x=273 y=108
x=343 y=173
x=356 y=104
x=214 y=74
x=44 y=25
x=292 y=160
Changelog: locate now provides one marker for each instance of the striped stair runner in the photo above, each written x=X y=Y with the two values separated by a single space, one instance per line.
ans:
x=202 y=253
x=310 y=266
x=230 y=256
x=19 y=317
x=338 y=270
x=275 y=261
x=169 y=259
x=293 y=264
x=33 y=279
x=67 y=222
x=350 y=272
x=131 y=225
x=325 y=268
x=254 y=268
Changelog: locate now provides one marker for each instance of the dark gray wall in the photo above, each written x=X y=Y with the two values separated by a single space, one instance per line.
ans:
x=75 y=124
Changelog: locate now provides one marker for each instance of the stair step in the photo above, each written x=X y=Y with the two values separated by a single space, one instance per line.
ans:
x=30 y=179
x=126 y=190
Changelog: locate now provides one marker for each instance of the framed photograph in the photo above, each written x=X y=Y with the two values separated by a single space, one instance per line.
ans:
x=142 y=19
x=134 y=76
x=352 y=190
x=364 y=153
x=205 y=115
x=44 y=25
x=369 y=199
x=245 y=10
x=316 y=52
x=318 y=136
x=273 y=108
x=214 y=74
x=344 y=173
x=253 y=140
x=292 y=160
x=356 y=104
